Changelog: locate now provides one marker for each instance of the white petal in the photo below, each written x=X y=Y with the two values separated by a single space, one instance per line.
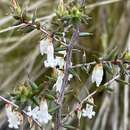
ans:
x=70 y=76
x=33 y=112
x=88 y=112
x=60 y=62
x=43 y=46
x=97 y=74
x=43 y=115
x=50 y=62
x=13 y=117
x=43 y=105
x=59 y=81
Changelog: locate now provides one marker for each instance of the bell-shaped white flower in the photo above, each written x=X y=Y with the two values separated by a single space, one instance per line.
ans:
x=13 y=117
x=60 y=62
x=59 y=81
x=70 y=77
x=88 y=111
x=46 y=47
x=42 y=115
x=43 y=46
x=50 y=62
x=33 y=113
x=60 y=76
x=97 y=74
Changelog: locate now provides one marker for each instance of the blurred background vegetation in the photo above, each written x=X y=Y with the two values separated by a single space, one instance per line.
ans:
x=20 y=57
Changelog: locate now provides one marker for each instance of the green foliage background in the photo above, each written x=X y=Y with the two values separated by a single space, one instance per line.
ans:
x=20 y=57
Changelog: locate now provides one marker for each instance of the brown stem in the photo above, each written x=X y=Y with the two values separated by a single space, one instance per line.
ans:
x=66 y=75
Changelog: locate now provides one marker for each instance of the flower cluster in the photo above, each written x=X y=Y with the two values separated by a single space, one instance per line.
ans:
x=56 y=62
x=14 y=117
x=46 y=47
x=88 y=111
x=39 y=113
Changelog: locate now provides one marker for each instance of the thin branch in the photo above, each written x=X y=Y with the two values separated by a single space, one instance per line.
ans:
x=114 y=62
x=66 y=75
x=102 y=3
x=89 y=96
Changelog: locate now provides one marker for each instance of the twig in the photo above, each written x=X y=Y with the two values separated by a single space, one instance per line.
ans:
x=9 y=102
x=89 y=96
x=106 y=2
x=66 y=75
x=114 y=62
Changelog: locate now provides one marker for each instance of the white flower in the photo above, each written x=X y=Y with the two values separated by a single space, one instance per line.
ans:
x=33 y=113
x=70 y=77
x=60 y=76
x=59 y=81
x=40 y=113
x=13 y=117
x=97 y=74
x=46 y=47
x=60 y=62
x=43 y=116
x=88 y=112
x=43 y=46
x=50 y=62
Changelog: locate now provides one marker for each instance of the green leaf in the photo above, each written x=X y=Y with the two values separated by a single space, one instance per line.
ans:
x=108 y=68
x=34 y=100
x=33 y=85
x=84 y=34
x=23 y=98
x=34 y=17
x=50 y=97
x=69 y=126
x=60 y=49
x=112 y=54
x=109 y=89
x=90 y=103
x=96 y=58
x=127 y=56
x=122 y=81
x=54 y=109
x=59 y=33
x=84 y=68
x=74 y=73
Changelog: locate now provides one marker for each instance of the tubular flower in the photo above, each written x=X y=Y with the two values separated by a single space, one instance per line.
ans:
x=43 y=46
x=59 y=81
x=13 y=117
x=97 y=74
x=33 y=113
x=43 y=116
x=60 y=62
x=40 y=113
x=46 y=47
x=50 y=62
